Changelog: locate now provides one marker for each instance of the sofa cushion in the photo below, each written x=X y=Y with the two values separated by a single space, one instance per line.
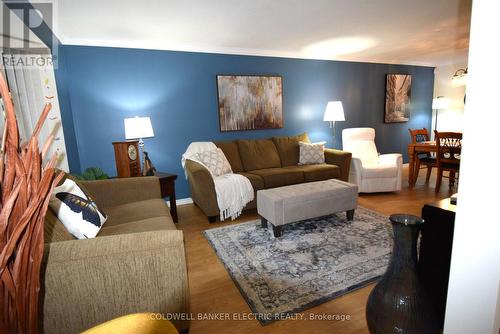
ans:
x=288 y=148
x=135 y=211
x=311 y=154
x=258 y=154
x=256 y=180
x=230 y=149
x=143 y=225
x=277 y=177
x=375 y=171
x=318 y=172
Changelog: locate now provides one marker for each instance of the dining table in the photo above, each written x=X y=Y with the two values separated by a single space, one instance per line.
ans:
x=413 y=150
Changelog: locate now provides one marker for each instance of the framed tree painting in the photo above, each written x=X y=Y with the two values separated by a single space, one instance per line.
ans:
x=397 y=98
x=249 y=102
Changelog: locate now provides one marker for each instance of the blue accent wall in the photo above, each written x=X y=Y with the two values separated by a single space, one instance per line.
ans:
x=178 y=91
x=68 y=123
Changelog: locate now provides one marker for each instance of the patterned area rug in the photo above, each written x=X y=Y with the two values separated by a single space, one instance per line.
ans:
x=313 y=262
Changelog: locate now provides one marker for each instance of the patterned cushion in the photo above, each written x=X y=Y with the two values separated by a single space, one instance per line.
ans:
x=230 y=149
x=76 y=209
x=215 y=161
x=311 y=153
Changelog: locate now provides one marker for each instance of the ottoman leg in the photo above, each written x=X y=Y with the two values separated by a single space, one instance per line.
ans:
x=277 y=231
x=263 y=222
x=350 y=215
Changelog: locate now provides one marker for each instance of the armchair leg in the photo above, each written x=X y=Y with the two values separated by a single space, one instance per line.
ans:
x=212 y=219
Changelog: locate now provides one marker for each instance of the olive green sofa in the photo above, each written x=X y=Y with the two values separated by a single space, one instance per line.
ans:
x=136 y=263
x=267 y=163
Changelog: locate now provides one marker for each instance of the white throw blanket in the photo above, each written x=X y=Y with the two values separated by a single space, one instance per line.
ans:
x=233 y=191
x=193 y=150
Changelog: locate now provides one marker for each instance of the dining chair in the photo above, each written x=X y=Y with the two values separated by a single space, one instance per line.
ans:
x=424 y=160
x=449 y=148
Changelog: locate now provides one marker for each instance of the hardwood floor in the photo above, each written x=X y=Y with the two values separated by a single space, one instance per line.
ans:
x=212 y=290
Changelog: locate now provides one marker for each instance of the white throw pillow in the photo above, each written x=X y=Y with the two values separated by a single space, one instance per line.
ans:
x=76 y=210
x=311 y=153
x=215 y=161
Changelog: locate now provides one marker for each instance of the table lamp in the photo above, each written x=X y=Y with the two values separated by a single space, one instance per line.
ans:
x=138 y=128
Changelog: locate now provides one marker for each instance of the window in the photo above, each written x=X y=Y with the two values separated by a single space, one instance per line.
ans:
x=31 y=88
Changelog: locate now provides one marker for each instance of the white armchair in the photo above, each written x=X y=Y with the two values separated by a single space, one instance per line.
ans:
x=369 y=170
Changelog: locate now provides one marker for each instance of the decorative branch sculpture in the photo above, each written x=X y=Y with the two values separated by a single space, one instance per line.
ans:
x=25 y=187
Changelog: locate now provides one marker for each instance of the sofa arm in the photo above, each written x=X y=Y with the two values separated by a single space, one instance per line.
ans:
x=391 y=159
x=202 y=188
x=113 y=192
x=341 y=159
x=356 y=172
x=87 y=282
x=394 y=159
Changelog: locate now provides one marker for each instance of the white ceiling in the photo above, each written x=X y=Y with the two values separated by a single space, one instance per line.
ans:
x=421 y=32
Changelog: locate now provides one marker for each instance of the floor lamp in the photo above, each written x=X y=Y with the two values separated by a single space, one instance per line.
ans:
x=334 y=112
x=439 y=103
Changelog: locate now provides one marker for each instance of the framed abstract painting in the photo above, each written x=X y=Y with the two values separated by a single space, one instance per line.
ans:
x=397 y=98
x=249 y=102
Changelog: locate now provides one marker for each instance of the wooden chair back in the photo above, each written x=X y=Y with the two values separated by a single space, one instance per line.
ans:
x=449 y=147
x=419 y=135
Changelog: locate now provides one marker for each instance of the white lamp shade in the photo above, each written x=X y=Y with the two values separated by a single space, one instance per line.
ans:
x=138 y=127
x=334 y=112
x=440 y=102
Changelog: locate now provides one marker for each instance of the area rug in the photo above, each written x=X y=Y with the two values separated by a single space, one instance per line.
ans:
x=313 y=262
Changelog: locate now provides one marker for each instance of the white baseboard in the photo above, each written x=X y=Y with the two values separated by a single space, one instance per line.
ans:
x=182 y=201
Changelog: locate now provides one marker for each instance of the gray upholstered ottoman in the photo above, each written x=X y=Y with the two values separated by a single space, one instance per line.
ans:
x=289 y=204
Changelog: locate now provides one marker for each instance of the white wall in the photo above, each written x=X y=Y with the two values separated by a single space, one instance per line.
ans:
x=473 y=292
x=450 y=119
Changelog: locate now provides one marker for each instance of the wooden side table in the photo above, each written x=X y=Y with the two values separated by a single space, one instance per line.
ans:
x=167 y=186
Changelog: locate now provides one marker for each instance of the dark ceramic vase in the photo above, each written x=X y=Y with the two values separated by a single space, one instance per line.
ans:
x=399 y=303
